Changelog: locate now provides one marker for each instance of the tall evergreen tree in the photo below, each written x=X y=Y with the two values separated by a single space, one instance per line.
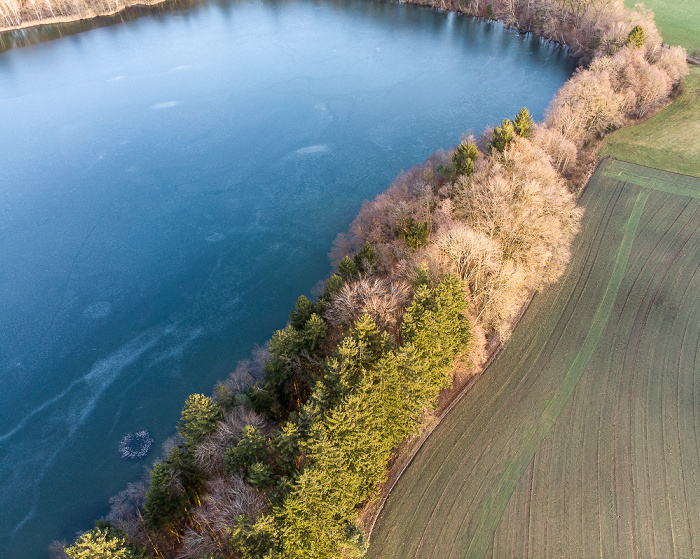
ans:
x=199 y=417
x=464 y=157
x=523 y=123
x=175 y=487
x=104 y=542
x=303 y=309
x=636 y=36
x=366 y=259
x=503 y=135
x=347 y=269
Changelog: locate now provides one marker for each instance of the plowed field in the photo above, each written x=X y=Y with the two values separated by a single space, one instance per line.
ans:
x=581 y=439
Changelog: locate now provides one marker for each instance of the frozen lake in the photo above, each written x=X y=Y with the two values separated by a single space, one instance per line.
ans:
x=169 y=186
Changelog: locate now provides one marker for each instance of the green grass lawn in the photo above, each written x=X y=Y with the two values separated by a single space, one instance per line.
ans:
x=677 y=20
x=581 y=439
x=670 y=140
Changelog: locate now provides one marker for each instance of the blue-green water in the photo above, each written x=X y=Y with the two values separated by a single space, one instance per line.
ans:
x=169 y=186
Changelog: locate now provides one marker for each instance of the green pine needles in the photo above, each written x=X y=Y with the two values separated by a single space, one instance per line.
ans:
x=104 y=542
x=464 y=157
x=523 y=123
x=199 y=418
x=369 y=397
x=505 y=133
x=636 y=37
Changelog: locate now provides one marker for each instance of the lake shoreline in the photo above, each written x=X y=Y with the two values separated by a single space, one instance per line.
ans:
x=78 y=18
x=114 y=113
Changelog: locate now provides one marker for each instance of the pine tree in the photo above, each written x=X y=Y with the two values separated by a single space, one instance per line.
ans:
x=366 y=259
x=252 y=448
x=503 y=135
x=464 y=157
x=199 y=417
x=333 y=285
x=314 y=332
x=347 y=269
x=303 y=309
x=523 y=123
x=102 y=543
x=636 y=36
x=176 y=485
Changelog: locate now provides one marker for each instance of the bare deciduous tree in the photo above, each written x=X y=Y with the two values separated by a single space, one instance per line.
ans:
x=209 y=455
x=562 y=152
x=125 y=511
x=518 y=221
x=226 y=499
x=382 y=299
x=586 y=108
x=473 y=256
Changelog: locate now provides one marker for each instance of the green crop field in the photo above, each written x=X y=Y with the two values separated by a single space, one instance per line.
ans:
x=582 y=438
x=677 y=20
x=669 y=140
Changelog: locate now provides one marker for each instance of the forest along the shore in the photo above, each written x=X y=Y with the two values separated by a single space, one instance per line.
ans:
x=431 y=272
x=24 y=14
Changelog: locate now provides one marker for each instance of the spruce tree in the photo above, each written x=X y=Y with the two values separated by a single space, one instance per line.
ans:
x=199 y=417
x=464 y=157
x=103 y=542
x=176 y=485
x=523 y=123
x=636 y=36
x=503 y=135
x=366 y=259
x=347 y=269
x=303 y=309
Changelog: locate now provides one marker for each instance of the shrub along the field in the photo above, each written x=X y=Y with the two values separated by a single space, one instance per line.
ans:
x=516 y=219
x=627 y=85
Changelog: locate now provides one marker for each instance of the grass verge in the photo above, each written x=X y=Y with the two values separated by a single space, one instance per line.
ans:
x=678 y=21
x=670 y=140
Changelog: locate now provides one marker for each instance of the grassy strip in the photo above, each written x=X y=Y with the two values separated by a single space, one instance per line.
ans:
x=670 y=140
x=660 y=181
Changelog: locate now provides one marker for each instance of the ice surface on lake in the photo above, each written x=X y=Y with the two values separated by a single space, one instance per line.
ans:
x=98 y=310
x=215 y=237
x=165 y=105
x=312 y=150
x=146 y=250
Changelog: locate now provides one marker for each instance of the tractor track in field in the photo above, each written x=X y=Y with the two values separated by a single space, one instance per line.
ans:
x=521 y=392
x=638 y=327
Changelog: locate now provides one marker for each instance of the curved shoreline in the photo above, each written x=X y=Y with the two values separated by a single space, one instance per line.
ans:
x=401 y=465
